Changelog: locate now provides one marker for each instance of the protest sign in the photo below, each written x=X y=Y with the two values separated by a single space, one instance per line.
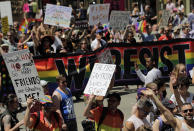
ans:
x=5 y=10
x=5 y=25
x=57 y=15
x=100 y=79
x=99 y=13
x=165 y=17
x=24 y=75
x=105 y=57
x=81 y=24
x=119 y=19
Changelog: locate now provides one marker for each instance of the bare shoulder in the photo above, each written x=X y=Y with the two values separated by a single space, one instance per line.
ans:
x=129 y=126
x=6 y=119
x=56 y=95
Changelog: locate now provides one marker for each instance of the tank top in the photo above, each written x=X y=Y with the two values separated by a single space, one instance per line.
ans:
x=13 y=121
x=138 y=122
x=163 y=126
x=66 y=105
x=184 y=127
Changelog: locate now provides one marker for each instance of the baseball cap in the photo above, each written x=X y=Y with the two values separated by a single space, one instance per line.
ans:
x=168 y=103
x=139 y=93
x=46 y=99
x=4 y=45
x=43 y=83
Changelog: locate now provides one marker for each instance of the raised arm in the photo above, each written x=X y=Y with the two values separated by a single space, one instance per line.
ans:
x=87 y=112
x=27 y=121
x=167 y=114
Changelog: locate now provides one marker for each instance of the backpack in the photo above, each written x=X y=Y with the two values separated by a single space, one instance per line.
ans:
x=56 y=116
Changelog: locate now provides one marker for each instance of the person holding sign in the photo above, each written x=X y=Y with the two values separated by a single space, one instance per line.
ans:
x=106 y=118
x=8 y=118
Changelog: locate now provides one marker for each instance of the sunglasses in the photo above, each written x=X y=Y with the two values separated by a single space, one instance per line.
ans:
x=48 y=105
x=190 y=110
x=63 y=82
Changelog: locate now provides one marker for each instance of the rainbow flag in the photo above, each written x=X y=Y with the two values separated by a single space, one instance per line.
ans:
x=24 y=25
x=143 y=26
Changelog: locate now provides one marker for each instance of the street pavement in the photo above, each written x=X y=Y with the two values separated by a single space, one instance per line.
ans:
x=128 y=99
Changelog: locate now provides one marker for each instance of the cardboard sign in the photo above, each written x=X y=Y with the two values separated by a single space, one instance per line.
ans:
x=57 y=15
x=81 y=24
x=105 y=57
x=5 y=10
x=5 y=25
x=99 y=13
x=119 y=19
x=24 y=75
x=100 y=79
x=165 y=17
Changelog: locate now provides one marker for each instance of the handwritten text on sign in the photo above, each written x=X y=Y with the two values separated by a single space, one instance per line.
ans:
x=57 y=15
x=165 y=17
x=99 y=13
x=100 y=79
x=23 y=74
x=119 y=19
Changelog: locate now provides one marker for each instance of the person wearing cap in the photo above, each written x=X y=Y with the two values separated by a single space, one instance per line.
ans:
x=176 y=32
x=98 y=42
x=49 y=119
x=106 y=118
x=186 y=124
x=44 y=85
x=161 y=124
x=4 y=48
x=138 y=119
x=63 y=101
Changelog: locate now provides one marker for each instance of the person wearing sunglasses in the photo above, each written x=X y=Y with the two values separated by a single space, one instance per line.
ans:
x=138 y=119
x=63 y=101
x=47 y=119
x=185 y=124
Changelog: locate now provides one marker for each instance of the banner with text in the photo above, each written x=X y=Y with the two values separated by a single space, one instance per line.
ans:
x=99 y=13
x=119 y=19
x=5 y=25
x=5 y=10
x=57 y=15
x=24 y=75
x=165 y=17
x=78 y=67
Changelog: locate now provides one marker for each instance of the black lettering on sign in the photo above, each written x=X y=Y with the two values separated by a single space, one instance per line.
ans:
x=166 y=61
x=142 y=53
x=117 y=55
x=127 y=62
x=181 y=51
x=72 y=72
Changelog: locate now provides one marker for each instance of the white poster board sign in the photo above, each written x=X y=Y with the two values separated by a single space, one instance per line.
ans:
x=165 y=17
x=119 y=19
x=100 y=79
x=5 y=10
x=105 y=57
x=57 y=15
x=99 y=13
x=24 y=75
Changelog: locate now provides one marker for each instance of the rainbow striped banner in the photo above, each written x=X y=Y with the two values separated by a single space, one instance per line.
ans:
x=78 y=67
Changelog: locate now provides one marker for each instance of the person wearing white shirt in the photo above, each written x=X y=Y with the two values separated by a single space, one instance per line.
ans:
x=153 y=72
